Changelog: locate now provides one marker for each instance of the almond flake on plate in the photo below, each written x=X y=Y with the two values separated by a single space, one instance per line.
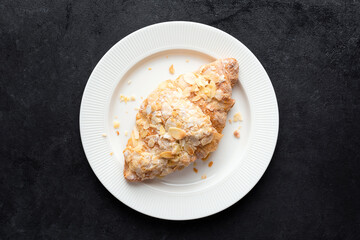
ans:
x=171 y=69
x=116 y=124
x=237 y=117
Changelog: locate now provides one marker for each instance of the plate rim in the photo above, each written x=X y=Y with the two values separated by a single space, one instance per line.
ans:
x=210 y=28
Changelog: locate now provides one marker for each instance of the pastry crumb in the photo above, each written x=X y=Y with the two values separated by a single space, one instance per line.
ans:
x=126 y=99
x=117 y=133
x=203 y=177
x=230 y=121
x=129 y=82
x=111 y=153
x=194 y=164
x=141 y=97
x=237 y=117
x=126 y=112
x=104 y=135
x=187 y=60
x=195 y=170
x=237 y=133
x=136 y=109
x=211 y=163
x=149 y=69
x=171 y=69
x=126 y=133
x=116 y=124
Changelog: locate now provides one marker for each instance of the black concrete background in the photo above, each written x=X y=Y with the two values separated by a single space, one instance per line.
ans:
x=311 y=51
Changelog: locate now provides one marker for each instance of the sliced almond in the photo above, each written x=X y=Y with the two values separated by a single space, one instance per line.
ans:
x=200 y=81
x=116 y=124
x=136 y=133
x=179 y=90
x=176 y=149
x=219 y=94
x=156 y=119
x=187 y=91
x=179 y=125
x=189 y=149
x=143 y=133
x=237 y=117
x=162 y=130
x=146 y=125
x=138 y=148
x=172 y=163
x=157 y=106
x=151 y=142
x=174 y=113
x=177 y=133
x=166 y=154
x=153 y=126
x=189 y=78
x=206 y=140
x=212 y=87
x=133 y=139
x=171 y=69
x=203 y=96
x=167 y=136
x=196 y=98
x=206 y=158
x=148 y=109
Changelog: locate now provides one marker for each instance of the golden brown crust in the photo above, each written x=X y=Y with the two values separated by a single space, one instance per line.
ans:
x=217 y=109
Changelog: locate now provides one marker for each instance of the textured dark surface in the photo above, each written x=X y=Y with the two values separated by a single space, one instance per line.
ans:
x=311 y=51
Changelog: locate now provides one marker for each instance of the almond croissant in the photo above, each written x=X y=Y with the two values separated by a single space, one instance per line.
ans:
x=181 y=121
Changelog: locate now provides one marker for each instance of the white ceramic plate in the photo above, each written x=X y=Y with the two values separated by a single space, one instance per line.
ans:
x=238 y=163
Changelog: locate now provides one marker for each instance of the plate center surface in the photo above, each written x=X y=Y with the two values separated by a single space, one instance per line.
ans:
x=139 y=81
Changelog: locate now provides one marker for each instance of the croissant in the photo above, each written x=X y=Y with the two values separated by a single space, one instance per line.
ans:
x=181 y=121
